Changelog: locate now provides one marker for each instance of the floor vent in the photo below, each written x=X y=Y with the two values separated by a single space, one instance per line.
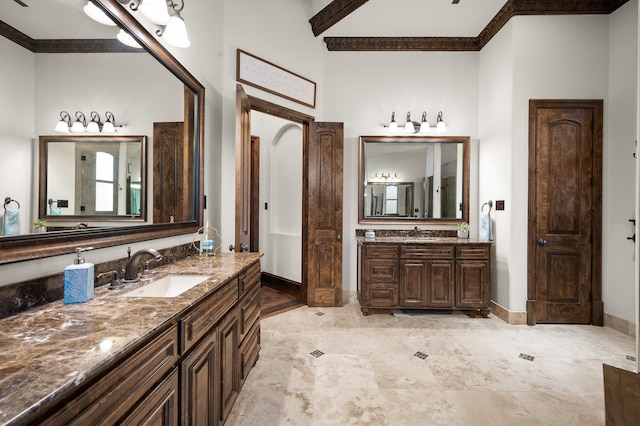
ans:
x=527 y=357
x=319 y=314
x=317 y=353
x=631 y=358
x=420 y=355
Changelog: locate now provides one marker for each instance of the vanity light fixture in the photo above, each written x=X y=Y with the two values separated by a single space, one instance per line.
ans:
x=441 y=127
x=79 y=126
x=412 y=127
x=95 y=13
x=64 y=124
x=126 y=39
x=110 y=123
x=166 y=15
x=155 y=11
x=95 y=125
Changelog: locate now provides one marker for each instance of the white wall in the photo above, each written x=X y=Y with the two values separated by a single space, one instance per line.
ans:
x=17 y=85
x=363 y=88
x=559 y=57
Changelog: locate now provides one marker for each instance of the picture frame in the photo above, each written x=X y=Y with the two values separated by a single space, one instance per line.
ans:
x=264 y=75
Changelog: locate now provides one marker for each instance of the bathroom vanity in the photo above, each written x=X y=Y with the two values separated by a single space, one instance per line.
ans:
x=439 y=273
x=136 y=360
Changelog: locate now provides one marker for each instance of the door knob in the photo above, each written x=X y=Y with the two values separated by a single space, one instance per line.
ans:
x=339 y=237
x=231 y=247
x=542 y=242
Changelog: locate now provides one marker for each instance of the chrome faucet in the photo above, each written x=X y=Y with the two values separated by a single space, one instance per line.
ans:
x=131 y=270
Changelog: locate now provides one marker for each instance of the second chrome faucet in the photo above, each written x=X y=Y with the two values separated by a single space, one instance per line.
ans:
x=133 y=268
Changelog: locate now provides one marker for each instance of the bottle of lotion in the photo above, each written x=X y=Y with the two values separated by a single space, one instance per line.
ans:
x=78 y=279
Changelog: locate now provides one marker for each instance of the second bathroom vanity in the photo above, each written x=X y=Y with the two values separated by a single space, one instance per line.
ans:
x=424 y=273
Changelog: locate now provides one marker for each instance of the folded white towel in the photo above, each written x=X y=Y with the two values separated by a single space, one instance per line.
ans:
x=486 y=227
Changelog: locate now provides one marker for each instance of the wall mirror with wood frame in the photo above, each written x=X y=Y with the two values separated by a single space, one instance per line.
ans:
x=189 y=135
x=413 y=179
x=92 y=177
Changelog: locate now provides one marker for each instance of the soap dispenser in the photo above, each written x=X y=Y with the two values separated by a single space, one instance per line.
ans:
x=78 y=279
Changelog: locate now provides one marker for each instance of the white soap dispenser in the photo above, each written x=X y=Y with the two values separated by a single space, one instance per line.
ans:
x=78 y=279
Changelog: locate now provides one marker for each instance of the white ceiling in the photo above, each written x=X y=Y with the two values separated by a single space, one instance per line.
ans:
x=420 y=18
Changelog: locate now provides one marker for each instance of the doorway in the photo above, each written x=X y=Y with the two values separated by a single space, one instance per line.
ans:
x=322 y=164
x=565 y=212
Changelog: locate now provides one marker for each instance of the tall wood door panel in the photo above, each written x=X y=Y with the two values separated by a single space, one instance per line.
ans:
x=244 y=169
x=229 y=340
x=201 y=383
x=324 y=214
x=170 y=172
x=565 y=190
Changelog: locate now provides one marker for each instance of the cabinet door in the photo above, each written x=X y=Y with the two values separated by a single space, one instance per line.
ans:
x=160 y=407
x=426 y=283
x=201 y=383
x=228 y=336
x=472 y=284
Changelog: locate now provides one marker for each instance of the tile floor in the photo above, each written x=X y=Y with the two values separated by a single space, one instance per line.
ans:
x=477 y=371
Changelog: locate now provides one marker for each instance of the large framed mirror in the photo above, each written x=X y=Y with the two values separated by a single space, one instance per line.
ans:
x=42 y=49
x=413 y=179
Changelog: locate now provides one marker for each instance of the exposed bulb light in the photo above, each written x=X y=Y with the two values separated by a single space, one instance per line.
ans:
x=97 y=14
x=155 y=11
x=64 y=124
x=175 y=32
x=393 y=126
x=408 y=126
x=109 y=125
x=424 y=125
x=79 y=126
x=441 y=127
x=125 y=38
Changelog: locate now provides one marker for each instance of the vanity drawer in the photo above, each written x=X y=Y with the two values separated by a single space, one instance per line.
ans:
x=381 y=295
x=249 y=279
x=427 y=252
x=472 y=252
x=381 y=271
x=249 y=311
x=202 y=319
x=381 y=251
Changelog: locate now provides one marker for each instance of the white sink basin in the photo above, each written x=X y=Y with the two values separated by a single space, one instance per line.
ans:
x=169 y=286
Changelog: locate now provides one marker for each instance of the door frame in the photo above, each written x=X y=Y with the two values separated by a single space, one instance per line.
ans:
x=269 y=108
x=597 y=307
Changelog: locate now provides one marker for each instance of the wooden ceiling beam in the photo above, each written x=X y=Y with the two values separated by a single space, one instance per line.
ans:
x=510 y=9
x=333 y=13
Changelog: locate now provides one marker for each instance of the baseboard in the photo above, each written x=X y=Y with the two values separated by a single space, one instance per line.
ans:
x=510 y=317
x=279 y=283
x=349 y=297
x=618 y=324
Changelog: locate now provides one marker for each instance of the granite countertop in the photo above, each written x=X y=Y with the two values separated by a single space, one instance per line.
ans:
x=420 y=240
x=47 y=351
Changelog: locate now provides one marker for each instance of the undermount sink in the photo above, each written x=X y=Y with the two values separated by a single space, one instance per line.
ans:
x=169 y=286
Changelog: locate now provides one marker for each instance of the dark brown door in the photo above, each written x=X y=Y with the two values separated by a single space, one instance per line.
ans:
x=170 y=173
x=565 y=175
x=243 y=170
x=324 y=214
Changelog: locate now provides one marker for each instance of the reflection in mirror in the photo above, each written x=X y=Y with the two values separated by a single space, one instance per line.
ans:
x=31 y=48
x=99 y=177
x=413 y=179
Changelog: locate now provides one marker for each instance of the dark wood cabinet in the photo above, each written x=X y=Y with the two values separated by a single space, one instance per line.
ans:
x=427 y=275
x=190 y=373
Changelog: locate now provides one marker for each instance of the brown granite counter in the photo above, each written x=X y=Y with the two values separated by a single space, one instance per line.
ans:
x=420 y=240
x=46 y=351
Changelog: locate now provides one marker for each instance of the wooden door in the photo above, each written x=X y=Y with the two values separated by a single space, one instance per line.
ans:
x=565 y=189
x=201 y=383
x=228 y=338
x=170 y=172
x=413 y=283
x=243 y=171
x=324 y=164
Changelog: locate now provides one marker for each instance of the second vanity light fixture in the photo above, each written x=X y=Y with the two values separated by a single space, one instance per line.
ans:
x=411 y=127
x=80 y=124
x=163 y=13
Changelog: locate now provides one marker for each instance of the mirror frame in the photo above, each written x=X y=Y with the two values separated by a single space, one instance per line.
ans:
x=35 y=246
x=43 y=178
x=413 y=139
